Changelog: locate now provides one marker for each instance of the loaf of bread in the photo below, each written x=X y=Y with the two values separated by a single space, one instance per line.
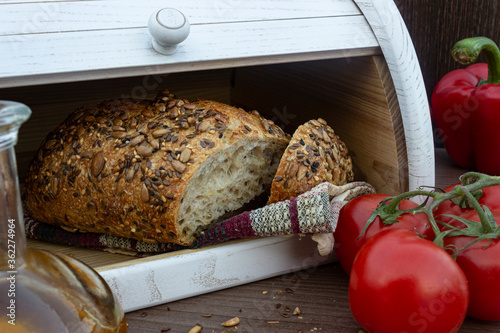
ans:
x=156 y=171
x=315 y=154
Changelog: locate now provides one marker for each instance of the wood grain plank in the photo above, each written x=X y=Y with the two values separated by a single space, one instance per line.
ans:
x=75 y=56
x=319 y=293
x=351 y=94
x=91 y=257
x=49 y=17
x=448 y=172
x=399 y=53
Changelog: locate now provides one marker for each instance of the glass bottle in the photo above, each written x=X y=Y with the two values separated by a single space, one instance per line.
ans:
x=42 y=291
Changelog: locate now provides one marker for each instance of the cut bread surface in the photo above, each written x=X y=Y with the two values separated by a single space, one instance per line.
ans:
x=226 y=181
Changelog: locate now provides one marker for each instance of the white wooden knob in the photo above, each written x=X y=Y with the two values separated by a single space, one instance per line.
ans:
x=169 y=27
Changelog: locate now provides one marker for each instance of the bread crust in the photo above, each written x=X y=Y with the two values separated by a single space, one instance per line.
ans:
x=314 y=155
x=121 y=168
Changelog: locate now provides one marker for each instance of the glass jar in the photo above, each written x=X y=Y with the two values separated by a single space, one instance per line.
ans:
x=42 y=291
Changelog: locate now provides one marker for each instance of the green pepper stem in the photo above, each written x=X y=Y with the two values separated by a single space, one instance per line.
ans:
x=467 y=50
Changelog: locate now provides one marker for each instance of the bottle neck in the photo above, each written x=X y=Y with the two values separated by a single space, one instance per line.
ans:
x=12 y=235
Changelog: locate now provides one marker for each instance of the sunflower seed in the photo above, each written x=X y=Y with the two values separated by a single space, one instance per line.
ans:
x=70 y=229
x=185 y=155
x=130 y=175
x=196 y=329
x=315 y=123
x=97 y=163
x=204 y=125
x=51 y=144
x=80 y=131
x=119 y=135
x=174 y=112
x=265 y=123
x=316 y=132
x=160 y=132
x=89 y=119
x=120 y=186
x=231 y=322
x=118 y=128
x=137 y=140
x=54 y=182
x=144 y=151
x=326 y=137
x=144 y=193
x=301 y=173
x=155 y=144
x=133 y=123
x=178 y=166
x=148 y=113
x=292 y=170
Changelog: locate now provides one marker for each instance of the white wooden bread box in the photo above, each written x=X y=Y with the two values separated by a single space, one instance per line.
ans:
x=350 y=62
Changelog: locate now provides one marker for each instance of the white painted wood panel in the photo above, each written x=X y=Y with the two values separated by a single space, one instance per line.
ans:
x=399 y=53
x=42 y=17
x=170 y=278
x=73 y=56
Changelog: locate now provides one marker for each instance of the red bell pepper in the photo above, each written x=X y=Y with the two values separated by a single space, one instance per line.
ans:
x=466 y=107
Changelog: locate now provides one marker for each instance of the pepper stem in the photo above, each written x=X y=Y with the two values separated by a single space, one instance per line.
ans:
x=467 y=51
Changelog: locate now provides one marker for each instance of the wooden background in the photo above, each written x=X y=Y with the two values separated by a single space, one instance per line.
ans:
x=435 y=25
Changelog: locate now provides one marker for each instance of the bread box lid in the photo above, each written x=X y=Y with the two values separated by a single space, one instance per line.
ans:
x=45 y=42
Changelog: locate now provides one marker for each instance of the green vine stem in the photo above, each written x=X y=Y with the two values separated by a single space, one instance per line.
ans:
x=471 y=182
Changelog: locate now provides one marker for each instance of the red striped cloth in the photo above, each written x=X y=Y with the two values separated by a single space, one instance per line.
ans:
x=313 y=212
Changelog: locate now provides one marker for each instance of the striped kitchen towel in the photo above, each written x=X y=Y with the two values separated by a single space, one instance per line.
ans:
x=314 y=212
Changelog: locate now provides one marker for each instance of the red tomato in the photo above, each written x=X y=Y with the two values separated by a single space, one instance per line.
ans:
x=402 y=283
x=481 y=265
x=352 y=220
x=490 y=198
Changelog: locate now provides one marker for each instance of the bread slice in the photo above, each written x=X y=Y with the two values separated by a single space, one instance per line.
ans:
x=156 y=171
x=314 y=155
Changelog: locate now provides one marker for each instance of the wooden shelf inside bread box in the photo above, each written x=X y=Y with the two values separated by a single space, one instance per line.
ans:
x=348 y=78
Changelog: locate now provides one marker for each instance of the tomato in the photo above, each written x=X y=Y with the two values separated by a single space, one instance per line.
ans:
x=402 y=283
x=352 y=220
x=489 y=198
x=481 y=265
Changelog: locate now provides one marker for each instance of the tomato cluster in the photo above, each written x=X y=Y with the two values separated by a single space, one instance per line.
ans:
x=481 y=260
x=404 y=278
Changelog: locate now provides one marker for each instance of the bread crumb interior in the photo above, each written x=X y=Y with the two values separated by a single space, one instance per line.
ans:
x=227 y=180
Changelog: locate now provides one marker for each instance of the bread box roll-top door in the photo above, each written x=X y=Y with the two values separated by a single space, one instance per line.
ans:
x=348 y=62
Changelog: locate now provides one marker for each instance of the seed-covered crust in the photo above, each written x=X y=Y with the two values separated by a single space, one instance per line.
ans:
x=121 y=168
x=315 y=154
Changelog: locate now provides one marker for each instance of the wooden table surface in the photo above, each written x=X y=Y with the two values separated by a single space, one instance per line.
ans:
x=319 y=293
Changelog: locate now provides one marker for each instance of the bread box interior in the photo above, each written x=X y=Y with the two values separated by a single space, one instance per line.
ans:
x=354 y=95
